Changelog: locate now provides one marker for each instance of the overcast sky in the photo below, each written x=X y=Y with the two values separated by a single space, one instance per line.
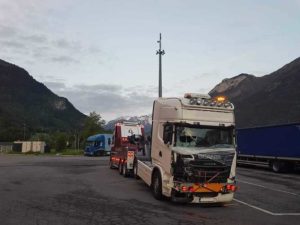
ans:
x=101 y=55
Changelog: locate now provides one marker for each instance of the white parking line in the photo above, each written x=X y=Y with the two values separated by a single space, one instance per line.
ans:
x=272 y=189
x=266 y=211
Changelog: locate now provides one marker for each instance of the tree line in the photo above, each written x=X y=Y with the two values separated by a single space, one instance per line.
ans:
x=59 y=140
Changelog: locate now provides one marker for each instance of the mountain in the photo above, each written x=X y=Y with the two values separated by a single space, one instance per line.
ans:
x=267 y=100
x=144 y=120
x=26 y=102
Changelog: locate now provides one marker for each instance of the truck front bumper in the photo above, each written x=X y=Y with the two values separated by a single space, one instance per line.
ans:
x=207 y=193
x=220 y=198
x=194 y=198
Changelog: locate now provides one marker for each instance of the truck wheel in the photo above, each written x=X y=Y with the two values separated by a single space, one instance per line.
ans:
x=135 y=170
x=111 y=166
x=125 y=170
x=120 y=167
x=278 y=166
x=157 y=186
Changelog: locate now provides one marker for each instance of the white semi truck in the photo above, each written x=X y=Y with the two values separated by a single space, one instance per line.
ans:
x=192 y=150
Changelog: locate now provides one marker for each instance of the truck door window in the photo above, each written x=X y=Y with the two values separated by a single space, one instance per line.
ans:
x=168 y=133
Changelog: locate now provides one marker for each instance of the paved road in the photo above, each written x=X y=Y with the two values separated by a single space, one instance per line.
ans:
x=42 y=190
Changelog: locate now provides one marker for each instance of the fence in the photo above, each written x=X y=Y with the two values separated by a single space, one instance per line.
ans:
x=6 y=147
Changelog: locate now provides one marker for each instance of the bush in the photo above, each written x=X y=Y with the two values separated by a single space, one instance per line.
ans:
x=60 y=142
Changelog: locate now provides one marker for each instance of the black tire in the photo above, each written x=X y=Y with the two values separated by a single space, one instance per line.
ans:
x=156 y=185
x=120 y=167
x=111 y=166
x=135 y=170
x=278 y=166
x=125 y=170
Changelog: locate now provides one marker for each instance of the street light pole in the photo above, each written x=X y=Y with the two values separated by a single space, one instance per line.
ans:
x=160 y=53
x=24 y=127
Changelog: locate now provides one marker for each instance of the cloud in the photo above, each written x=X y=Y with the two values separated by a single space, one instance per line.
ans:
x=55 y=86
x=7 y=32
x=147 y=90
x=41 y=47
x=111 y=101
x=40 y=52
x=64 y=59
x=38 y=39
x=26 y=35
x=12 y=44
x=67 y=45
x=94 y=49
x=99 y=88
x=37 y=46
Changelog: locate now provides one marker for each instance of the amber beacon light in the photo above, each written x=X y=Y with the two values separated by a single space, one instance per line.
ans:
x=221 y=98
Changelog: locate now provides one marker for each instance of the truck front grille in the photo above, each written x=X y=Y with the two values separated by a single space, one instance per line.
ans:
x=209 y=175
x=203 y=171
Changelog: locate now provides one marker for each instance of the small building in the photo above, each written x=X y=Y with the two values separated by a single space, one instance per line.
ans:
x=29 y=146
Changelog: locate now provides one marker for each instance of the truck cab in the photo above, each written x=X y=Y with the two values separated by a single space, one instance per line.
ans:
x=98 y=144
x=193 y=155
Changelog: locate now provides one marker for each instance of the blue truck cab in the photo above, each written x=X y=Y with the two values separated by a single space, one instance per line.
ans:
x=98 y=144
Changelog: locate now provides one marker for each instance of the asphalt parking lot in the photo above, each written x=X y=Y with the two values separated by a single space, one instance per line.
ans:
x=83 y=190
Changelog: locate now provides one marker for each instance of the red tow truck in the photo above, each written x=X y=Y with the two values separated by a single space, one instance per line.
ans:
x=128 y=141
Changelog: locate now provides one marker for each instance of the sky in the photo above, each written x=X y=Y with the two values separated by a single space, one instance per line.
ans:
x=101 y=54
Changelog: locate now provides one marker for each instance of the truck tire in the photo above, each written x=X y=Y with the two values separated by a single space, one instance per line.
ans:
x=156 y=185
x=278 y=166
x=135 y=170
x=120 y=167
x=111 y=166
x=126 y=172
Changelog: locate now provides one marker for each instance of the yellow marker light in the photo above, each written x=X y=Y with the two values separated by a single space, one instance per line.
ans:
x=221 y=98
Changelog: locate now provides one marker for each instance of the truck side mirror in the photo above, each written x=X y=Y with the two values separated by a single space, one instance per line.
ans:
x=168 y=133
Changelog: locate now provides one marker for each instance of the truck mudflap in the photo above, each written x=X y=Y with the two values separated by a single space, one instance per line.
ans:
x=203 y=193
x=130 y=160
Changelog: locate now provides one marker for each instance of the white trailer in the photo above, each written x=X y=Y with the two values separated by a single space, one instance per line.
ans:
x=193 y=155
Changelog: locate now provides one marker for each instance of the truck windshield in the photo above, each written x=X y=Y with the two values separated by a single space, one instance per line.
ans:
x=90 y=143
x=204 y=136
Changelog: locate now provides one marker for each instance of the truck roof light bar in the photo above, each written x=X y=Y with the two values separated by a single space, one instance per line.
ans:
x=131 y=123
x=195 y=95
x=206 y=100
